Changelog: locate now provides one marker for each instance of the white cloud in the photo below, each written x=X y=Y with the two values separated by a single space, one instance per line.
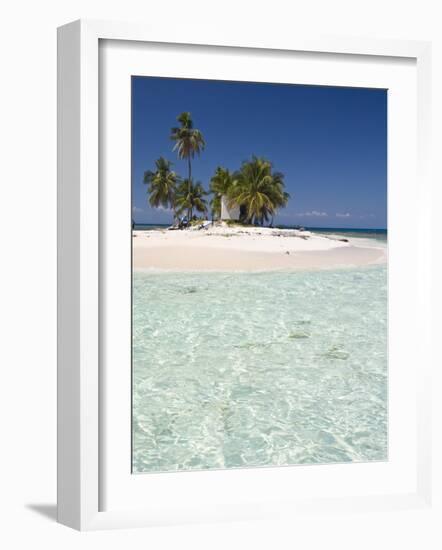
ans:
x=313 y=213
x=345 y=215
x=136 y=209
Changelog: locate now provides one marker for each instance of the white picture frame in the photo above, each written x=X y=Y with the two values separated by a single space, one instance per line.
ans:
x=79 y=273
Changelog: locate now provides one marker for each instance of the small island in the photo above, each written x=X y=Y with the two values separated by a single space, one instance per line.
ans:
x=230 y=226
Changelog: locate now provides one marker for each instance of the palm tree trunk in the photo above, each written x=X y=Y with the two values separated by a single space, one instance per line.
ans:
x=189 y=212
x=172 y=205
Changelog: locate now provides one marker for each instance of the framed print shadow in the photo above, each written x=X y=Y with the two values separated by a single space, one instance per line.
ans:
x=234 y=256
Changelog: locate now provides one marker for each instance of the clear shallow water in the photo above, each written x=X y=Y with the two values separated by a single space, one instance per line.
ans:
x=240 y=369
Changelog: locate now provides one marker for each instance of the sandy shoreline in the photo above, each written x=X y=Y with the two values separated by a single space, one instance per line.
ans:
x=249 y=249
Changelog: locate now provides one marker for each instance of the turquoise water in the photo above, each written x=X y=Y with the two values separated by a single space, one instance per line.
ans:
x=275 y=368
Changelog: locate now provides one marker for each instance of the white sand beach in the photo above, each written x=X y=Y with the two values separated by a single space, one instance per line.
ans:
x=237 y=248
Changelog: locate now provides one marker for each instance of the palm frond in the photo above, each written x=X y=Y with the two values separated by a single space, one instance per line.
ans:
x=161 y=184
x=258 y=189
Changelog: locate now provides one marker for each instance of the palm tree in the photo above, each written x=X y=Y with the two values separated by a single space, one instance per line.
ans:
x=190 y=197
x=162 y=184
x=258 y=191
x=220 y=184
x=278 y=197
x=189 y=142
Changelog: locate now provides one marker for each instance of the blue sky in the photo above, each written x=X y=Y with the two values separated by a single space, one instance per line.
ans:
x=329 y=142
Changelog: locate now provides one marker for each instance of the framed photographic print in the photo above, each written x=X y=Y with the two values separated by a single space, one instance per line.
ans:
x=242 y=301
x=258 y=341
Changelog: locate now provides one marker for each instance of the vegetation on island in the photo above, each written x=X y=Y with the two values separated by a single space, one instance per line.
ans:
x=162 y=185
x=255 y=188
x=220 y=184
x=190 y=198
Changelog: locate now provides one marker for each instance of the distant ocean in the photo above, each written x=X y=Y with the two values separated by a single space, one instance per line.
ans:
x=141 y=226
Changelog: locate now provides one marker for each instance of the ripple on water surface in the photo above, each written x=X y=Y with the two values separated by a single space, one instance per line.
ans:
x=240 y=369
